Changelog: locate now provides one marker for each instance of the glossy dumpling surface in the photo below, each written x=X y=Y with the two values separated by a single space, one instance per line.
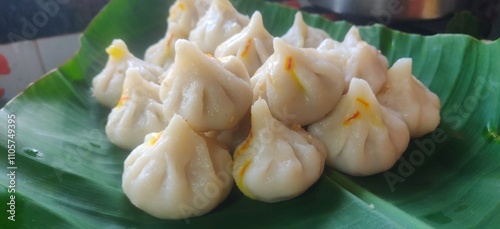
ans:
x=107 y=85
x=183 y=16
x=234 y=136
x=361 y=136
x=211 y=94
x=220 y=22
x=358 y=59
x=276 y=162
x=177 y=173
x=253 y=45
x=299 y=84
x=304 y=36
x=138 y=112
x=416 y=104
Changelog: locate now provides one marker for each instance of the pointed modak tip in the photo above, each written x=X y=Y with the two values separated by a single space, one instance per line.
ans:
x=298 y=18
x=404 y=63
x=358 y=83
x=256 y=19
x=353 y=34
x=183 y=45
x=280 y=45
x=118 y=49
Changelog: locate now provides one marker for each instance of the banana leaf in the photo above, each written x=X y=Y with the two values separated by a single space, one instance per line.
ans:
x=68 y=175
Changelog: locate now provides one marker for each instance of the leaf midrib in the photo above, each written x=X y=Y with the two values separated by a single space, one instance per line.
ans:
x=404 y=219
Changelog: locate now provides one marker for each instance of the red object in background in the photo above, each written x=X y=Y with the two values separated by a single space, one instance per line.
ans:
x=4 y=68
x=2 y=92
x=293 y=3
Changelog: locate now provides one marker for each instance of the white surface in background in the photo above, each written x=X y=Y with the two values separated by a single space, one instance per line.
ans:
x=55 y=51
x=30 y=60
x=25 y=67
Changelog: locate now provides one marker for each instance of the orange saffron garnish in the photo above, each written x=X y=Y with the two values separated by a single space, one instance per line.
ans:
x=296 y=127
x=289 y=63
x=155 y=138
x=356 y=115
x=289 y=67
x=173 y=12
x=247 y=47
x=244 y=169
x=181 y=6
x=170 y=39
x=124 y=98
x=244 y=146
x=360 y=100
x=239 y=180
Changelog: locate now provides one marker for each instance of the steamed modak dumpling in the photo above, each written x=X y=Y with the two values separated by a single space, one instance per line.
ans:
x=107 y=85
x=177 y=173
x=220 y=22
x=416 y=104
x=138 y=112
x=183 y=16
x=162 y=53
x=253 y=45
x=304 y=36
x=358 y=59
x=211 y=94
x=276 y=162
x=299 y=84
x=232 y=137
x=361 y=136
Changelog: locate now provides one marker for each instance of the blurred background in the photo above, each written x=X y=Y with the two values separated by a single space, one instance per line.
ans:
x=37 y=36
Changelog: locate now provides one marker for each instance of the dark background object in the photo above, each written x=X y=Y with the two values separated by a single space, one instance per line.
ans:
x=478 y=18
x=33 y=19
x=395 y=9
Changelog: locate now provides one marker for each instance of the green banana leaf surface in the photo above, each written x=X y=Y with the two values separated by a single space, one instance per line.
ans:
x=68 y=175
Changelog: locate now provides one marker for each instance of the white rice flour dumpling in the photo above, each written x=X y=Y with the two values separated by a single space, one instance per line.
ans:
x=361 y=136
x=211 y=94
x=416 y=104
x=177 y=173
x=299 y=84
x=232 y=137
x=304 y=36
x=220 y=22
x=138 y=112
x=253 y=45
x=276 y=162
x=107 y=85
x=358 y=59
x=183 y=16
